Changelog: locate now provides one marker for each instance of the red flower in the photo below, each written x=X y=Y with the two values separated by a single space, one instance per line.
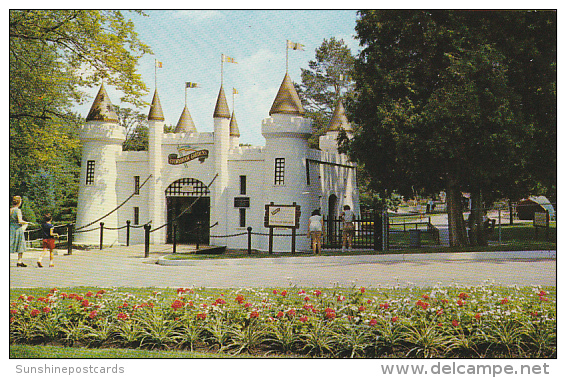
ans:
x=372 y=322
x=362 y=290
x=284 y=293
x=100 y=292
x=307 y=299
x=275 y=292
x=394 y=319
x=369 y=301
x=534 y=313
x=542 y=293
x=201 y=316
x=303 y=318
x=240 y=298
x=477 y=316
x=93 y=314
x=291 y=312
x=89 y=294
x=460 y=302
x=220 y=301
x=423 y=305
x=302 y=291
x=13 y=311
x=464 y=296
x=330 y=313
x=46 y=310
x=177 y=304
x=361 y=308
x=122 y=316
x=248 y=305
x=504 y=301
x=254 y=314
x=64 y=295
x=317 y=292
x=443 y=300
x=34 y=313
x=340 y=298
x=85 y=303
x=455 y=323
x=384 y=305
x=439 y=312
x=544 y=299
x=426 y=296
x=280 y=314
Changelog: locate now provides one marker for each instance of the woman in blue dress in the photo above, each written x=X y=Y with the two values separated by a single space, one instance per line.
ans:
x=17 y=227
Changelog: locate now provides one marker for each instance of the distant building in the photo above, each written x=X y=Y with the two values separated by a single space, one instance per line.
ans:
x=207 y=179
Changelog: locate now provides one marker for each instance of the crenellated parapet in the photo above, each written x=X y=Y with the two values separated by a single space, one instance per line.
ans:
x=103 y=131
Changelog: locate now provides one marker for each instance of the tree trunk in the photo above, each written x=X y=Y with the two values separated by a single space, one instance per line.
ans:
x=456 y=226
x=475 y=223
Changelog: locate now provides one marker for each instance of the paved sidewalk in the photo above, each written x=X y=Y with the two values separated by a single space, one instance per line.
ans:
x=126 y=266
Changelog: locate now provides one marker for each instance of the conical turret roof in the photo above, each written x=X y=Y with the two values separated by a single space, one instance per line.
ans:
x=234 y=131
x=339 y=119
x=221 y=110
x=287 y=100
x=155 y=111
x=102 y=108
x=185 y=124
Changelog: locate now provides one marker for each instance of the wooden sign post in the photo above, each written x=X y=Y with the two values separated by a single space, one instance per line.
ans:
x=282 y=216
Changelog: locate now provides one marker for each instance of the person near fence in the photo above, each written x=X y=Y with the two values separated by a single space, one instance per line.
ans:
x=315 y=231
x=48 y=234
x=347 y=217
x=17 y=228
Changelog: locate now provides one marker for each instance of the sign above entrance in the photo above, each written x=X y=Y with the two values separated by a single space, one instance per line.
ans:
x=188 y=153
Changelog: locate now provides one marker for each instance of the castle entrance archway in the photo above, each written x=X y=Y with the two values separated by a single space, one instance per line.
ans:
x=188 y=206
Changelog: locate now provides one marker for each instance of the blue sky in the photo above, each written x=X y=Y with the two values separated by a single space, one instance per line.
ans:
x=190 y=44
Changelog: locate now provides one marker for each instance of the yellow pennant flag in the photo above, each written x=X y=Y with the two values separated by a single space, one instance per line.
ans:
x=158 y=64
x=227 y=59
x=188 y=84
x=234 y=91
x=295 y=46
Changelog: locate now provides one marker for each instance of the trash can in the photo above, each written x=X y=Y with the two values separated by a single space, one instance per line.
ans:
x=415 y=238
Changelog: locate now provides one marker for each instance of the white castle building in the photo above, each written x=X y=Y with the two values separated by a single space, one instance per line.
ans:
x=207 y=178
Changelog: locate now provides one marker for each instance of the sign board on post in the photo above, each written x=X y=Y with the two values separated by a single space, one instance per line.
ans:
x=282 y=216
x=541 y=219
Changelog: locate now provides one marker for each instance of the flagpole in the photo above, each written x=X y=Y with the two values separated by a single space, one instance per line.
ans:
x=155 y=72
x=185 y=94
x=222 y=70
x=287 y=56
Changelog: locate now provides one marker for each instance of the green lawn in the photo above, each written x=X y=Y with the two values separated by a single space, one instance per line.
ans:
x=52 y=351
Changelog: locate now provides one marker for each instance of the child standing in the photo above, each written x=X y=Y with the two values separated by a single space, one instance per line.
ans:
x=49 y=235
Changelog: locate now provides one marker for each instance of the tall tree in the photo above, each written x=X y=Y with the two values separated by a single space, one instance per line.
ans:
x=327 y=78
x=438 y=108
x=53 y=55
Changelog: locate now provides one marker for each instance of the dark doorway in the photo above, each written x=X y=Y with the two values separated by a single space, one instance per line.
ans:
x=188 y=208
x=192 y=221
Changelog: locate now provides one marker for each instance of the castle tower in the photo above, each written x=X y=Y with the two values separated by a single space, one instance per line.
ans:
x=156 y=203
x=102 y=138
x=234 y=132
x=185 y=123
x=286 y=135
x=219 y=206
x=339 y=121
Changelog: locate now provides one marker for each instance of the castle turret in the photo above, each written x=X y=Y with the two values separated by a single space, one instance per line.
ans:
x=221 y=148
x=156 y=121
x=338 y=122
x=102 y=137
x=286 y=135
x=185 y=123
x=234 y=132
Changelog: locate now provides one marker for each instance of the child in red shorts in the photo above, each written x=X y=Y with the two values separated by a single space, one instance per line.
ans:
x=49 y=235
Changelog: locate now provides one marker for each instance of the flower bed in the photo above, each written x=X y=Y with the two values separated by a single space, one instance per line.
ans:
x=482 y=321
